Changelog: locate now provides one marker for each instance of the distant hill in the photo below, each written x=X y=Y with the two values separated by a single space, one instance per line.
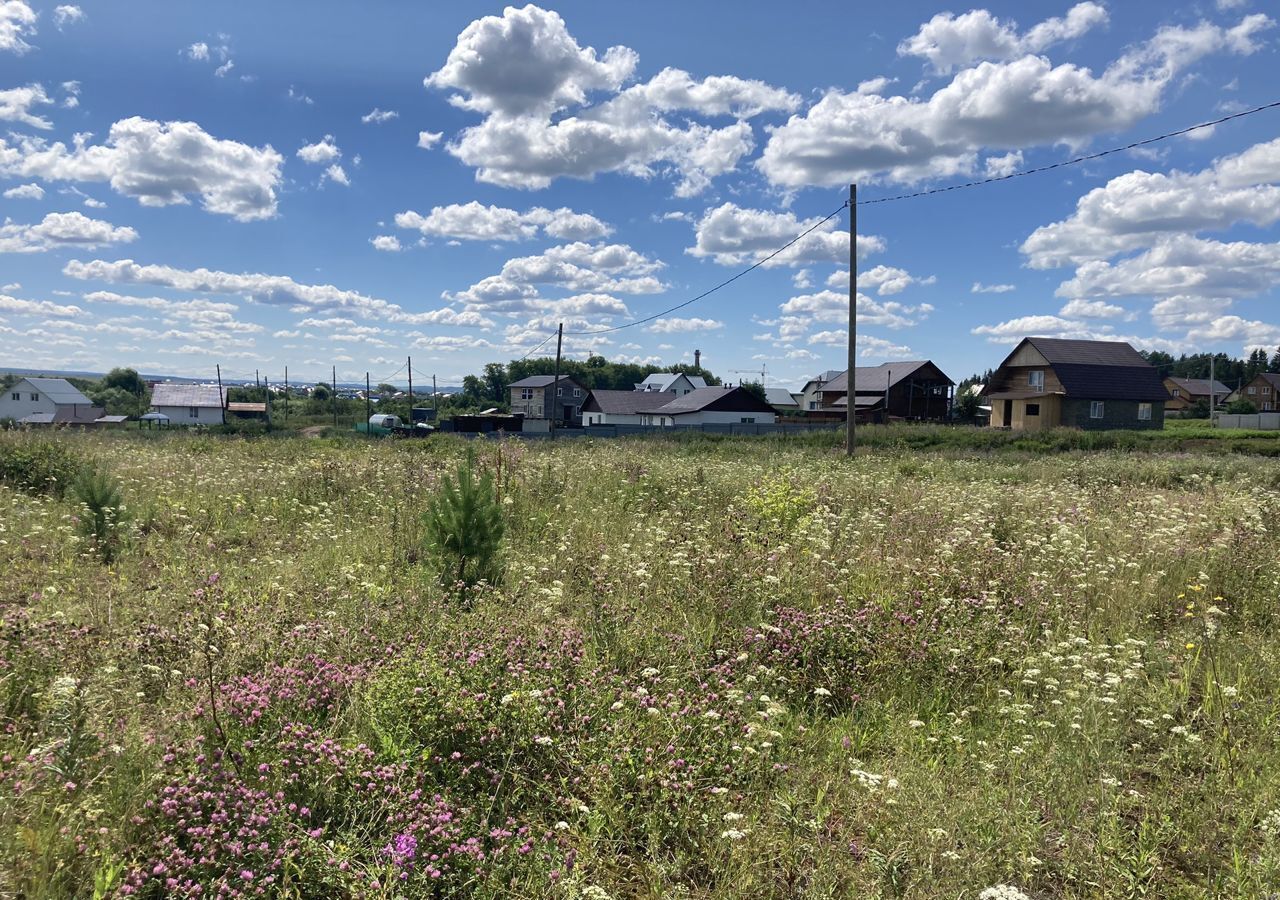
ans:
x=182 y=379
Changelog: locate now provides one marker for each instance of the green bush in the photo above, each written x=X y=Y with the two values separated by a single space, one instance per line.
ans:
x=104 y=511
x=464 y=528
x=38 y=464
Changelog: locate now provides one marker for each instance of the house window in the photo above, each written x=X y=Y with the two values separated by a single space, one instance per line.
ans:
x=1266 y=407
x=813 y=404
x=1253 y=390
x=1144 y=412
x=748 y=420
x=34 y=397
x=193 y=412
x=1033 y=409
x=17 y=395
x=526 y=393
x=1265 y=390
x=1035 y=378
x=1177 y=392
x=559 y=392
x=577 y=392
x=1095 y=409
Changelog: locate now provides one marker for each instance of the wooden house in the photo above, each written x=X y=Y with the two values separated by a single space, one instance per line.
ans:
x=905 y=389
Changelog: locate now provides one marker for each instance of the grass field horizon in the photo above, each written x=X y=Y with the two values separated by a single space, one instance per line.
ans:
x=711 y=668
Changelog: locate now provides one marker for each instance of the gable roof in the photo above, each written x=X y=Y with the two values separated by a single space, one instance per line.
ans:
x=1097 y=370
x=880 y=378
x=1270 y=378
x=59 y=390
x=780 y=397
x=1199 y=386
x=1064 y=351
x=625 y=403
x=717 y=399
x=661 y=382
x=208 y=396
x=540 y=381
x=821 y=379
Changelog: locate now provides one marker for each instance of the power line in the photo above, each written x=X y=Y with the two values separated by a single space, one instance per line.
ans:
x=543 y=344
x=1071 y=162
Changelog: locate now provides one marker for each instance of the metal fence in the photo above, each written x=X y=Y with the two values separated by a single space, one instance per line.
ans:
x=748 y=429
x=1267 y=421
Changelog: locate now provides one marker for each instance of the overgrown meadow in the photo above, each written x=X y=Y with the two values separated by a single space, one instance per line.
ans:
x=709 y=669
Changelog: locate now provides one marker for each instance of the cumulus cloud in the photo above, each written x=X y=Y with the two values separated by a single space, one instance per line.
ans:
x=198 y=51
x=159 y=164
x=948 y=41
x=1134 y=210
x=67 y=15
x=388 y=243
x=321 y=152
x=733 y=235
x=676 y=325
x=16 y=104
x=533 y=82
x=428 y=139
x=377 y=116
x=19 y=307
x=1022 y=102
x=476 y=222
x=1091 y=309
x=25 y=192
x=275 y=290
x=337 y=174
x=1181 y=265
x=980 y=288
x=17 y=23
x=56 y=230
x=1003 y=166
x=884 y=280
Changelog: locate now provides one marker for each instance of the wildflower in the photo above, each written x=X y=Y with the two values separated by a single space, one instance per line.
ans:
x=1002 y=892
x=821 y=692
x=915 y=723
x=733 y=834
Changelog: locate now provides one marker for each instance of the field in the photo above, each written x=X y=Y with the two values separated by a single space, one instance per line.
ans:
x=711 y=669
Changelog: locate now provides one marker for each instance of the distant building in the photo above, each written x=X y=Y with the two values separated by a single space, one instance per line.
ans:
x=1263 y=391
x=672 y=382
x=808 y=399
x=190 y=404
x=535 y=398
x=1187 y=392
x=621 y=407
x=1051 y=382
x=904 y=389
x=48 y=401
x=711 y=406
x=782 y=400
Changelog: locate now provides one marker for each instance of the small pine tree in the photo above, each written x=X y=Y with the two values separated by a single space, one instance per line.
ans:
x=104 y=510
x=464 y=528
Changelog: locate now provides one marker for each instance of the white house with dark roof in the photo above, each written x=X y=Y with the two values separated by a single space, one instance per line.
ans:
x=672 y=383
x=48 y=401
x=190 y=404
x=621 y=407
x=711 y=406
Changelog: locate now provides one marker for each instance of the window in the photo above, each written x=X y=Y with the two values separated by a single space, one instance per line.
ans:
x=34 y=397
x=748 y=420
x=1035 y=378
x=813 y=404
x=1177 y=392
x=1265 y=390
x=526 y=393
x=1144 y=412
x=17 y=395
x=577 y=392
x=1096 y=409
x=1033 y=409
x=193 y=412
x=1266 y=407
x=1253 y=390
x=559 y=392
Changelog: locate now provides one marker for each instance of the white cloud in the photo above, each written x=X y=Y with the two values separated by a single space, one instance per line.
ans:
x=67 y=15
x=336 y=173
x=428 y=139
x=850 y=137
x=321 y=152
x=681 y=326
x=225 y=69
x=72 y=98
x=56 y=230
x=17 y=23
x=25 y=192
x=377 y=116
x=884 y=280
x=1091 y=309
x=1181 y=265
x=1133 y=210
x=1226 y=5
x=388 y=243
x=830 y=306
x=299 y=97
x=476 y=222
x=159 y=164
x=1003 y=166
x=529 y=77
x=980 y=288
x=198 y=51
x=18 y=307
x=948 y=41
x=16 y=104
x=732 y=235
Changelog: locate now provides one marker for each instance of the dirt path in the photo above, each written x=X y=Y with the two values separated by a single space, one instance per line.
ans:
x=313 y=431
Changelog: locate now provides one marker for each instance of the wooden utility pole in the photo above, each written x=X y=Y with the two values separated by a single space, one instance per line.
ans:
x=851 y=428
x=286 y=395
x=409 y=364
x=222 y=403
x=555 y=383
x=888 y=381
x=368 y=401
x=333 y=394
x=435 y=401
x=1213 y=394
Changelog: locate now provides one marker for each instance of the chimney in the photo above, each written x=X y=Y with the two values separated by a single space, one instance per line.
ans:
x=697 y=358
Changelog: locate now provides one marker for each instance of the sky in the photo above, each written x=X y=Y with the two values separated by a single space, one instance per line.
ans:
x=262 y=185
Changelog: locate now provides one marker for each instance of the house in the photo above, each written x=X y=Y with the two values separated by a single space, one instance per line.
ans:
x=1187 y=392
x=1052 y=382
x=1263 y=391
x=808 y=399
x=782 y=400
x=533 y=398
x=48 y=401
x=672 y=382
x=190 y=404
x=711 y=406
x=905 y=389
x=621 y=407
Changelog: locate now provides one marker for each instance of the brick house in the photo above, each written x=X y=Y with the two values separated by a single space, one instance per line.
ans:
x=1263 y=391
x=1051 y=383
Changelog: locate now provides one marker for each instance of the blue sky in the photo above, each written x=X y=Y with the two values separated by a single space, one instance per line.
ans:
x=262 y=185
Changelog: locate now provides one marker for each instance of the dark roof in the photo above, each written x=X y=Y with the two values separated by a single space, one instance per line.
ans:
x=541 y=381
x=880 y=378
x=1060 y=351
x=1098 y=370
x=718 y=399
x=1270 y=378
x=1199 y=387
x=625 y=403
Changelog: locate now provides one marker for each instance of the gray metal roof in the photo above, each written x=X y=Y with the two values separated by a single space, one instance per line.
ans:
x=877 y=378
x=59 y=390
x=200 y=395
x=539 y=381
x=780 y=397
x=1200 y=386
x=625 y=403
x=663 y=381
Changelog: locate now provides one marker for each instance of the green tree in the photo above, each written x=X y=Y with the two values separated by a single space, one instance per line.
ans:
x=321 y=391
x=386 y=390
x=464 y=528
x=755 y=389
x=126 y=380
x=1241 y=408
x=104 y=512
x=1274 y=366
x=967 y=405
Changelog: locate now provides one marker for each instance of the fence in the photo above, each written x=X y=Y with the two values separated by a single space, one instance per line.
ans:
x=1267 y=421
x=749 y=429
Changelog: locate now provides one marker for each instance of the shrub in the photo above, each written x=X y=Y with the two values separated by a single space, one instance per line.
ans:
x=38 y=464
x=464 y=528
x=104 y=511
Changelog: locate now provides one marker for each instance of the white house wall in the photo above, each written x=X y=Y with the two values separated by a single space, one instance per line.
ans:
x=24 y=406
x=181 y=415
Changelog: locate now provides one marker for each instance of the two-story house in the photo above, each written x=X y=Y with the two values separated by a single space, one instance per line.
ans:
x=1052 y=382
x=48 y=401
x=672 y=382
x=542 y=397
x=903 y=389
x=1263 y=391
x=1187 y=392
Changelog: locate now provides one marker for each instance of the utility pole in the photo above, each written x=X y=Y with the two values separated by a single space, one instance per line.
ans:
x=435 y=401
x=1213 y=394
x=368 y=402
x=222 y=403
x=555 y=384
x=851 y=432
x=333 y=394
x=409 y=363
x=286 y=395
x=888 y=381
